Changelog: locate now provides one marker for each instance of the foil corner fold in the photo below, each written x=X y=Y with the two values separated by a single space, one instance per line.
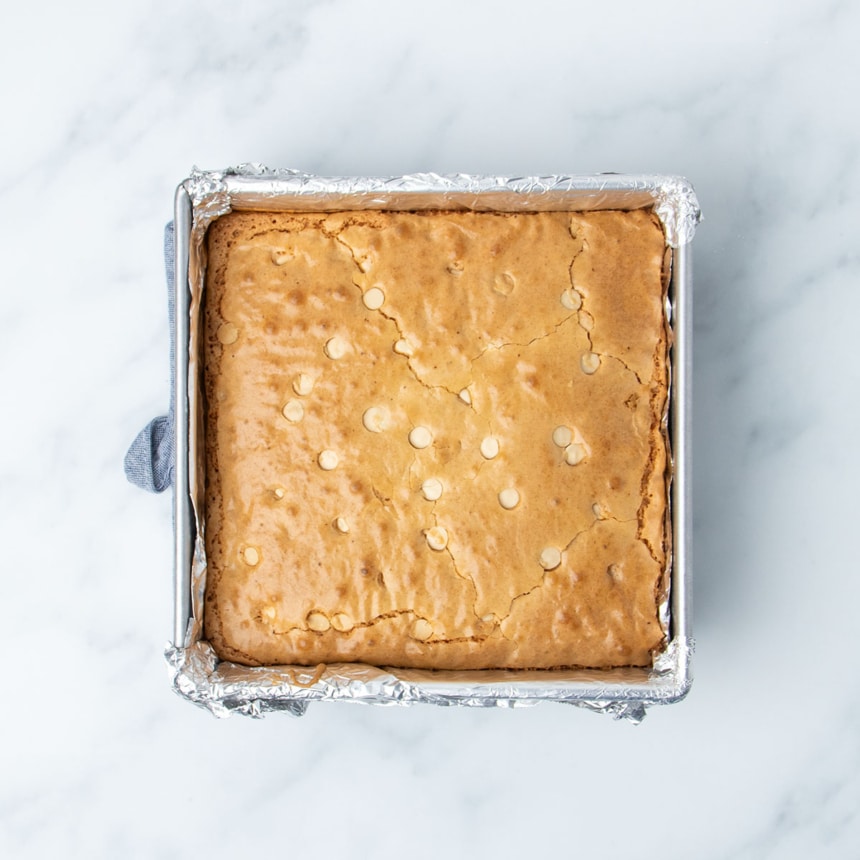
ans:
x=677 y=206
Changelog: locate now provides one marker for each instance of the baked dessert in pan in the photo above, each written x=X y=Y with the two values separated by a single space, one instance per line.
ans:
x=436 y=439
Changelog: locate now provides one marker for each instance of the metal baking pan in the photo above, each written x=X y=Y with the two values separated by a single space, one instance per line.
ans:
x=225 y=688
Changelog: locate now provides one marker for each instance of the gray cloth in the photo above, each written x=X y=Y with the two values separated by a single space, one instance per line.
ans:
x=150 y=460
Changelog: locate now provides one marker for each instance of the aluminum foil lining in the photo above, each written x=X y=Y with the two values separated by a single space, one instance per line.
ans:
x=226 y=688
x=672 y=197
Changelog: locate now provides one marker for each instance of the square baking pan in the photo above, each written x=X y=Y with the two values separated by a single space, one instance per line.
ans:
x=225 y=688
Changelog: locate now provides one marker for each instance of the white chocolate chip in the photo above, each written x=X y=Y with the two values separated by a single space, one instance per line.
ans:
x=422 y=629
x=504 y=284
x=293 y=411
x=373 y=299
x=574 y=453
x=303 y=384
x=376 y=419
x=489 y=447
x=571 y=300
x=403 y=347
x=509 y=498
x=420 y=437
x=251 y=555
x=228 y=333
x=586 y=320
x=342 y=622
x=550 y=558
x=465 y=395
x=318 y=622
x=437 y=538
x=589 y=362
x=279 y=256
x=342 y=525
x=488 y=618
x=269 y=612
x=432 y=489
x=328 y=460
x=279 y=492
x=335 y=348
x=562 y=436
x=598 y=511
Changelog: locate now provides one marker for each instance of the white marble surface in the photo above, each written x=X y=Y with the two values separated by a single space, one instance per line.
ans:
x=106 y=106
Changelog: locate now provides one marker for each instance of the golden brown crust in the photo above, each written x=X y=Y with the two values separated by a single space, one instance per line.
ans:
x=504 y=326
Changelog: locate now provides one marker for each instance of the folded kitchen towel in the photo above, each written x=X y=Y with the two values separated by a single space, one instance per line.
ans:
x=150 y=460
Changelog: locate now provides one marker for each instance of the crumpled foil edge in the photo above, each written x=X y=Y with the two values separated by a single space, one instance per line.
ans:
x=673 y=197
x=224 y=688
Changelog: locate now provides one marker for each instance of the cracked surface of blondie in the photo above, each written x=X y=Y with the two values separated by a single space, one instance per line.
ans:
x=435 y=439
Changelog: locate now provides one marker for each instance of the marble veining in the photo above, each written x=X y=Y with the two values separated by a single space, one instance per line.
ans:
x=107 y=107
